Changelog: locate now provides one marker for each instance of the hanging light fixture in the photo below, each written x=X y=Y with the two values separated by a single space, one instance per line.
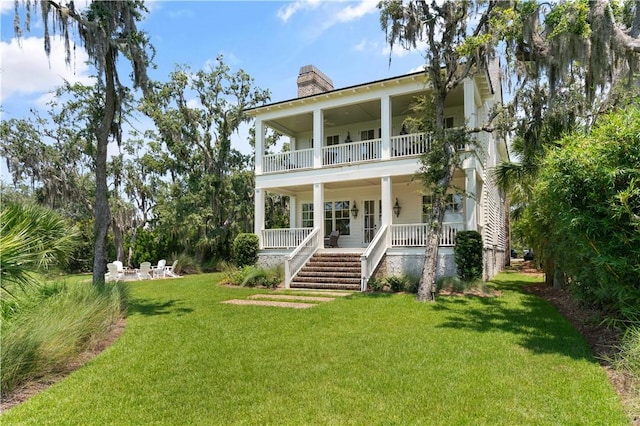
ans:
x=397 y=208
x=354 y=210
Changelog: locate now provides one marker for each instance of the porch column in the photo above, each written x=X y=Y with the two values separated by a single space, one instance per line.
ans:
x=385 y=125
x=318 y=207
x=259 y=214
x=470 y=188
x=385 y=197
x=293 y=223
x=317 y=137
x=260 y=130
x=470 y=110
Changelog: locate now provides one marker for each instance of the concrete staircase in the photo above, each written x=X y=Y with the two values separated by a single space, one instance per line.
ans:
x=336 y=271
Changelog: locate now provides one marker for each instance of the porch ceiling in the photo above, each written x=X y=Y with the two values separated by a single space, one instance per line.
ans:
x=345 y=115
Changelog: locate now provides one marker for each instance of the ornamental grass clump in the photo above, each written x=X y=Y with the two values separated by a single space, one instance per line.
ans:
x=52 y=325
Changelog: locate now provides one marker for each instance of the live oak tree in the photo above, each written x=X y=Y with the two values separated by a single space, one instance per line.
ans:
x=211 y=189
x=460 y=37
x=106 y=30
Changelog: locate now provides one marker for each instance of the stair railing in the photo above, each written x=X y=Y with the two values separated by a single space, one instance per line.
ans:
x=373 y=255
x=298 y=257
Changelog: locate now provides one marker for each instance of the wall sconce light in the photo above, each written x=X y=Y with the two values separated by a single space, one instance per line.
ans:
x=397 y=208
x=354 y=210
x=348 y=139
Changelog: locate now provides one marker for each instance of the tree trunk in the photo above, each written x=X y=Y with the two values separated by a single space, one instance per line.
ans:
x=428 y=278
x=102 y=214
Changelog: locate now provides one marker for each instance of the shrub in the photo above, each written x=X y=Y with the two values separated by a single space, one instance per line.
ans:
x=397 y=283
x=186 y=264
x=412 y=284
x=468 y=255
x=265 y=277
x=375 y=284
x=245 y=249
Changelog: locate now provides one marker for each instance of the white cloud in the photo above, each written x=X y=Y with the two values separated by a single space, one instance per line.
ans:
x=351 y=13
x=366 y=46
x=26 y=70
x=284 y=13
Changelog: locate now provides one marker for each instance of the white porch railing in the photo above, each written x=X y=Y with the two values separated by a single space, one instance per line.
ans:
x=296 y=260
x=373 y=255
x=284 y=238
x=415 y=234
x=353 y=152
x=291 y=160
x=410 y=145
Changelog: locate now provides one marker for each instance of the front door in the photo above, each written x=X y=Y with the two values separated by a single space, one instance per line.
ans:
x=369 y=220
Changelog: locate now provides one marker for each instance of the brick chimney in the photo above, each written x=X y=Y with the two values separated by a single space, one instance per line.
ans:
x=312 y=81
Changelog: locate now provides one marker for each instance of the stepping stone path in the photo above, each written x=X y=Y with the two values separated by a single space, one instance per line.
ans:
x=302 y=301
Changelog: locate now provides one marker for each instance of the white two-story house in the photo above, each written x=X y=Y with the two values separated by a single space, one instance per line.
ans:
x=351 y=168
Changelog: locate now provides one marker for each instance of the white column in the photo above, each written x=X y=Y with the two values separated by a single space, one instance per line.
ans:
x=258 y=226
x=470 y=187
x=318 y=207
x=260 y=131
x=318 y=127
x=293 y=222
x=385 y=125
x=470 y=109
x=385 y=196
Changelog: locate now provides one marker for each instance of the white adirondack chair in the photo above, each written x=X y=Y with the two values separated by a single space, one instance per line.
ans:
x=158 y=270
x=144 y=272
x=169 y=270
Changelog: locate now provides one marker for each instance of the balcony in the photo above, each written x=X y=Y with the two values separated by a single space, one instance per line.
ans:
x=401 y=146
x=411 y=145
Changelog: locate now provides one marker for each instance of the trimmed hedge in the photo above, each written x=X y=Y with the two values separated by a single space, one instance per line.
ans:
x=468 y=255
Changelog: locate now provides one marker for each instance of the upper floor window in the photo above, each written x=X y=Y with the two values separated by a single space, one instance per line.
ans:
x=333 y=140
x=366 y=135
x=448 y=122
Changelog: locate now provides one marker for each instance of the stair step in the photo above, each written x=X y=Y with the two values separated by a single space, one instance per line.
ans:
x=331 y=286
x=325 y=279
x=330 y=270
x=339 y=274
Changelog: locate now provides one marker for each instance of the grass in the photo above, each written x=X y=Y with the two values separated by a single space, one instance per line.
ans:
x=366 y=359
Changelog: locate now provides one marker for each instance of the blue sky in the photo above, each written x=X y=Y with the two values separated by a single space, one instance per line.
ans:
x=270 y=40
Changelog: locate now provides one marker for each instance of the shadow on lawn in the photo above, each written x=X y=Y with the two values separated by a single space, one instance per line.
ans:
x=537 y=325
x=150 y=308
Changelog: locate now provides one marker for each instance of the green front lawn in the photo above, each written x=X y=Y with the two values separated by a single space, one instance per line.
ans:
x=185 y=358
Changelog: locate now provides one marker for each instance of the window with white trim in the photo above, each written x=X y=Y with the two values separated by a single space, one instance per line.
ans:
x=307 y=215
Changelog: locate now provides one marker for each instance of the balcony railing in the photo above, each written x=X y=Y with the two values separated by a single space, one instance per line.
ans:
x=291 y=160
x=410 y=145
x=353 y=152
x=415 y=234
x=284 y=238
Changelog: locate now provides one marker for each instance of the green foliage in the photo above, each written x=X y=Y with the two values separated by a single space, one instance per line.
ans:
x=586 y=211
x=186 y=264
x=568 y=17
x=245 y=249
x=253 y=276
x=376 y=284
x=53 y=325
x=628 y=359
x=32 y=238
x=468 y=255
x=397 y=283
x=265 y=277
x=150 y=245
